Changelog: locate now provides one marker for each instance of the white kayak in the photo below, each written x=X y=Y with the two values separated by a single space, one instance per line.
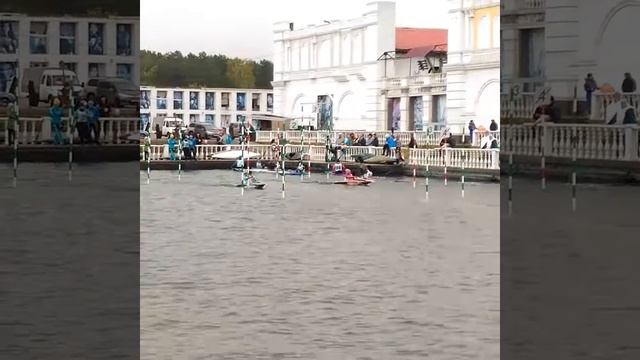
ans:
x=235 y=154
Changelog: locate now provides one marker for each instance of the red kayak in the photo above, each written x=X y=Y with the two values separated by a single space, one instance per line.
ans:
x=354 y=182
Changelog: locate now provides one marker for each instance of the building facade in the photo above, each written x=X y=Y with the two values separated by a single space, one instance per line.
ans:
x=328 y=75
x=91 y=47
x=217 y=106
x=551 y=45
x=473 y=66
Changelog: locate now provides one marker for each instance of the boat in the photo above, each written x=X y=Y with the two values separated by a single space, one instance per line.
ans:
x=353 y=182
x=235 y=155
x=257 y=186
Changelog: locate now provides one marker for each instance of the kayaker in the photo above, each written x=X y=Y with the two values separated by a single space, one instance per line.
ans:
x=348 y=175
x=337 y=168
x=368 y=173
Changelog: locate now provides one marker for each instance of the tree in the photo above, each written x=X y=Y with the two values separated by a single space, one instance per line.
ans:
x=240 y=72
x=173 y=69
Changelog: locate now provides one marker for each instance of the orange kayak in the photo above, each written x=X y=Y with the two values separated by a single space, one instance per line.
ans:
x=354 y=182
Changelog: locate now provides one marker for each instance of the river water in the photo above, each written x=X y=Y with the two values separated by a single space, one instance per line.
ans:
x=331 y=272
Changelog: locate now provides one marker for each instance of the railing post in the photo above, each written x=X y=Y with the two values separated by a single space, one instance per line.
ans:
x=547 y=139
x=631 y=143
x=495 y=159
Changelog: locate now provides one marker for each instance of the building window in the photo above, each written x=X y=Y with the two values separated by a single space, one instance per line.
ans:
x=178 y=116
x=270 y=102
x=194 y=118
x=162 y=115
x=144 y=99
x=241 y=102
x=209 y=101
x=496 y=32
x=224 y=101
x=255 y=102
x=210 y=119
x=38 y=37
x=124 y=71
x=123 y=40
x=531 y=53
x=193 y=100
x=240 y=118
x=96 y=70
x=177 y=100
x=96 y=39
x=161 y=101
x=8 y=37
x=67 y=38
x=8 y=77
x=484 y=33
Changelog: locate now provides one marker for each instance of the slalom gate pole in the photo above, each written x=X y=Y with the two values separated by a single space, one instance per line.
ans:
x=426 y=183
x=510 y=184
x=573 y=174
x=462 y=175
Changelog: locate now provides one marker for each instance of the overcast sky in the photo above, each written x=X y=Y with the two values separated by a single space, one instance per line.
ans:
x=244 y=28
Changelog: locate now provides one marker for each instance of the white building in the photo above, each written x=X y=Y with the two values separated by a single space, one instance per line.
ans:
x=473 y=67
x=91 y=47
x=333 y=74
x=217 y=106
x=553 y=44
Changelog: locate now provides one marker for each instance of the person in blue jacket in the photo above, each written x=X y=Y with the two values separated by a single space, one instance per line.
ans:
x=93 y=117
x=55 y=113
x=391 y=144
x=193 y=142
x=171 y=142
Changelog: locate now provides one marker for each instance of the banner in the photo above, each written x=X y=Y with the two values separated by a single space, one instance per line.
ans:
x=145 y=103
x=96 y=39
x=177 y=100
x=9 y=78
x=123 y=40
x=193 y=100
x=418 y=113
x=270 y=102
x=241 y=101
x=325 y=112
x=8 y=37
x=209 y=101
x=395 y=114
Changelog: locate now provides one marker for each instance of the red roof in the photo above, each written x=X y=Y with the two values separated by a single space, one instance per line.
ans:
x=410 y=38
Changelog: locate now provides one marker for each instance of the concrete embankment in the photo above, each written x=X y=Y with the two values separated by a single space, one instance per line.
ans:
x=560 y=169
x=81 y=153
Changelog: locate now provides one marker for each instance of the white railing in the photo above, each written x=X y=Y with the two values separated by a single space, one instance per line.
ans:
x=521 y=107
x=601 y=102
x=450 y=157
x=423 y=138
x=600 y=142
x=456 y=158
x=478 y=136
x=38 y=130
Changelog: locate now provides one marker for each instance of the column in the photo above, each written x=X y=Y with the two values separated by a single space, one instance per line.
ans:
x=404 y=113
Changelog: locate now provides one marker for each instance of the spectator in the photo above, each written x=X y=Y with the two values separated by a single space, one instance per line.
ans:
x=55 y=114
x=448 y=141
x=362 y=141
x=186 y=147
x=171 y=143
x=193 y=146
x=413 y=143
x=252 y=133
x=628 y=84
x=369 y=140
x=472 y=128
x=375 y=141
x=590 y=86
x=493 y=126
x=391 y=144
x=158 y=131
x=105 y=108
x=12 y=121
x=81 y=118
x=93 y=117
x=398 y=152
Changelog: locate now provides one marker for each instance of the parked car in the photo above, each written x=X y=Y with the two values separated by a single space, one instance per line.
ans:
x=207 y=131
x=120 y=92
x=49 y=82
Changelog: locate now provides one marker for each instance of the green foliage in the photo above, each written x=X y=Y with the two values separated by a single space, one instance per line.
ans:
x=174 y=69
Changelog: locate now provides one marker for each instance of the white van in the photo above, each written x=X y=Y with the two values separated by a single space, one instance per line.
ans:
x=48 y=82
x=169 y=125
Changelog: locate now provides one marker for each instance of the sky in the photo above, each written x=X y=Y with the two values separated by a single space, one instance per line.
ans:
x=244 y=28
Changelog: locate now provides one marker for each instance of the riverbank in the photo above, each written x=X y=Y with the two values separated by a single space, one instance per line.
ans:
x=81 y=153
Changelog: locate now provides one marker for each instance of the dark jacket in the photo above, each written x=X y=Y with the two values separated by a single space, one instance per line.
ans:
x=375 y=142
x=628 y=85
